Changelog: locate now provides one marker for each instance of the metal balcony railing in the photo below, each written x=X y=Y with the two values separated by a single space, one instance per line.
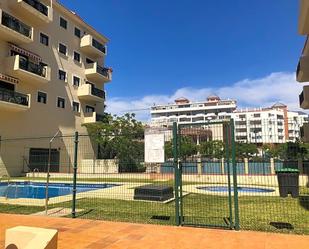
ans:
x=98 y=46
x=38 y=6
x=32 y=67
x=16 y=25
x=103 y=71
x=99 y=117
x=97 y=92
x=14 y=97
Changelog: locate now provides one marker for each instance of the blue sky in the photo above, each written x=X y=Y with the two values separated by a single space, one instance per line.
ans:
x=163 y=49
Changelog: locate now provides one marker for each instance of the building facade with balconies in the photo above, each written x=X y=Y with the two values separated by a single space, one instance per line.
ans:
x=260 y=125
x=52 y=72
x=183 y=111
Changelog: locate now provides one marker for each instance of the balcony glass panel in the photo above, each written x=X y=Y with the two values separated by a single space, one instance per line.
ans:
x=16 y=25
x=14 y=97
x=38 y=6
x=98 y=46
x=31 y=67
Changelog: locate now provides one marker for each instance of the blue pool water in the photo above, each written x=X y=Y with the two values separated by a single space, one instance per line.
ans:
x=36 y=190
x=240 y=189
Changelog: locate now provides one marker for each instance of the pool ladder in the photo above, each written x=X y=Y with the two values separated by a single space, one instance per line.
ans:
x=7 y=190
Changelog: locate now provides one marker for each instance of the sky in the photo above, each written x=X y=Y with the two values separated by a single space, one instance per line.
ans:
x=164 y=49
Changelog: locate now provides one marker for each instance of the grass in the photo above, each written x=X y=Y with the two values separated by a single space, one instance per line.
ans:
x=261 y=213
x=256 y=213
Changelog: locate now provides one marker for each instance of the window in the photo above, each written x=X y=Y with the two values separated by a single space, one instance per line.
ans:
x=76 y=81
x=76 y=56
x=89 y=61
x=44 y=39
x=89 y=109
x=62 y=49
x=42 y=97
x=75 y=107
x=77 y=32
x=61 y=103
x=63 y=23
x=62 y=75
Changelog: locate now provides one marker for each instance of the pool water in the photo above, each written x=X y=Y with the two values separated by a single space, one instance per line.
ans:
x=240 y=189
x=35 y=190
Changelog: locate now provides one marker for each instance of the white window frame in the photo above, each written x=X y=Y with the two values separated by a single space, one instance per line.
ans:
x=40 y=39
x=57 y=102
x=66 y=75
x=67 y=50
x=37 y=100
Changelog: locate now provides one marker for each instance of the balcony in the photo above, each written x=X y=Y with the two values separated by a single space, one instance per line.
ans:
x=13 y=101
x=92 y=47
x=33 y=10
x=14 y=30
x=96 y=73
x=92 y=117
x=303 y=21
x=90 y=93
x=302 y=72
x=27 y=70
x=304 y=98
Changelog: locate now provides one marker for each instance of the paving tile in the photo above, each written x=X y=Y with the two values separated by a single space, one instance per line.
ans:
x=88 y=234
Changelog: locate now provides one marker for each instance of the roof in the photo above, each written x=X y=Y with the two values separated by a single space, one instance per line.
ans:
x=278 y=104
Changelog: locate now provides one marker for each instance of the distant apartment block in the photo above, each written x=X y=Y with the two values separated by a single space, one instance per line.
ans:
x=183 y=111
x=52 y=73
x=275 y=124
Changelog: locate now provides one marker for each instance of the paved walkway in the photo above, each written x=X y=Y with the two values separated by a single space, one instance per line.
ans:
x=89 y=234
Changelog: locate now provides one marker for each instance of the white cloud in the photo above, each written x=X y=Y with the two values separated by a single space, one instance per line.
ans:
x=262 y=92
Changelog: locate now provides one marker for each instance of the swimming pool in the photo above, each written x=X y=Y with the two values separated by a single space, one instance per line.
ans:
x=35 y=190
x=240 y=189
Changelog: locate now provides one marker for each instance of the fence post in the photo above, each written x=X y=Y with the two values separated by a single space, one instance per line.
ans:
x=176 y=173
x=74 y=175
x=246 y=161
x=272 y=166
x=236 y=206
x=227 y=155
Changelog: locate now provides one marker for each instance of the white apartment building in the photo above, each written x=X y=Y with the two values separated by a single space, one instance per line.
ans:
x=183 y=111
x=260 y=125
x=268 y=125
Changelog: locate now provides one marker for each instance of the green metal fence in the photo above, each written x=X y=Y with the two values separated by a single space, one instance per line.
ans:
x=208 y=182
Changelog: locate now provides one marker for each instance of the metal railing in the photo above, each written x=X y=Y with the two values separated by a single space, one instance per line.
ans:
x=98 y=46
x=38 y=6
x=14 y=97
x=97 y=92
x=32 y=67
x=16 y=25
x=103 y=71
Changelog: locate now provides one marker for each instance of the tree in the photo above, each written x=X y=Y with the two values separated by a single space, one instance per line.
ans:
x=187 y=148
x=212 y=149
x=120 y=138
x=245 y=150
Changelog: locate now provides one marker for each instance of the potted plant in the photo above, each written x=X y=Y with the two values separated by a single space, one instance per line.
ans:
x=288 y=180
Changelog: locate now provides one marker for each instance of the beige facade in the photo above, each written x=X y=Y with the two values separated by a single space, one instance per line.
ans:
x=37 y=39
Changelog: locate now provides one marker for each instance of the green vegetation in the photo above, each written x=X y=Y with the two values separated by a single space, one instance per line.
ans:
x=120 y=138
x=256 y=213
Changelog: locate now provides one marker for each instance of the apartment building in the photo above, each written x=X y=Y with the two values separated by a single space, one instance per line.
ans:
x=185 y=112
x=268 y=125
x=52 y=74
x=275 y=124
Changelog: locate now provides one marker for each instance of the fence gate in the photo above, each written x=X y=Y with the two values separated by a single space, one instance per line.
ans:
x=205 y=175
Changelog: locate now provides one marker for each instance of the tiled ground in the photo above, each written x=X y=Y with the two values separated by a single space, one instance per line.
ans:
x=89 y=234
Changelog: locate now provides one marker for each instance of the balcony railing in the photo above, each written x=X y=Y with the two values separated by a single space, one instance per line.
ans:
x=98 y=46
x=14 y=97
x=32 y=67
x=100 y=118
x=16 y=25
x=103 y=71
x=38 y=6
x=97 y=92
